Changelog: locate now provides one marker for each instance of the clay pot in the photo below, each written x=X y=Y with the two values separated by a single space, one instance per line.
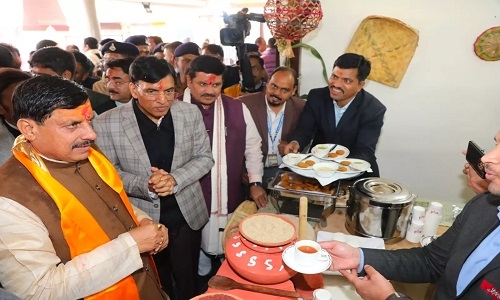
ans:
x=216 y=296
x=255 y=266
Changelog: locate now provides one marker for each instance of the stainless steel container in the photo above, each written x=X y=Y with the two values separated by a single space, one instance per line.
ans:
x=379 y=207
x=286 y=200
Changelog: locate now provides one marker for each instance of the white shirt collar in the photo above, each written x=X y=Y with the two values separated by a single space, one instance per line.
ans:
x=269 y=110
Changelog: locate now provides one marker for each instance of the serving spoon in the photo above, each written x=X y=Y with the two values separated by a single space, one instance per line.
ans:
x=225 y=283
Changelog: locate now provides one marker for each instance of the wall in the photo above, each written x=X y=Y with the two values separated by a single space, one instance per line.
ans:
x=447 y=97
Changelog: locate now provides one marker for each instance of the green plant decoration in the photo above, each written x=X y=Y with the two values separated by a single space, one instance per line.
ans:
x=315 y=53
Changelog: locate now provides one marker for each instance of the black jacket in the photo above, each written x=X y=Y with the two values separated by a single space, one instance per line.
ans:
x=442 y=260
x=359 y=128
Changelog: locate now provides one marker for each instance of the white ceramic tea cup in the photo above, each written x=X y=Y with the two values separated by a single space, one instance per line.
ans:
x=308 y=253
x=322 y=294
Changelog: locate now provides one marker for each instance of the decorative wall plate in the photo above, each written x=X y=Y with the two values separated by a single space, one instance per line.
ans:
x=487 y=44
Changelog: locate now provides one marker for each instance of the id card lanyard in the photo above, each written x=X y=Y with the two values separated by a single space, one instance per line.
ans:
x=278 y=128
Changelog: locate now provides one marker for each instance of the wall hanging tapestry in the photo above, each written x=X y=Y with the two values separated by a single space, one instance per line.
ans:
x=389 y=44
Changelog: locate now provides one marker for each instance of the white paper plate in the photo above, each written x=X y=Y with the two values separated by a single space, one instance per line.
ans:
x=356 y=166
x=286 y=161
x=324 y=155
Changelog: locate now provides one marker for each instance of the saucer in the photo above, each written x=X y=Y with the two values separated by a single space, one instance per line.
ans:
x=289 y=259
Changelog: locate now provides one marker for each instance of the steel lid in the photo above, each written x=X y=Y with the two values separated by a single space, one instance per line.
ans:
x=384 y=190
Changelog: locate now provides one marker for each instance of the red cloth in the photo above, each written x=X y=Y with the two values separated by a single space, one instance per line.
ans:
x=225 y=270
x=305 y=284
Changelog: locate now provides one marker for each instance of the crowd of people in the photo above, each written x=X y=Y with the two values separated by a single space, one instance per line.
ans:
x=122 y=163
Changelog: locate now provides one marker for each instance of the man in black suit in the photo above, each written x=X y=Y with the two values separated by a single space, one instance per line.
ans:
x=342 y=113
x=464 y=262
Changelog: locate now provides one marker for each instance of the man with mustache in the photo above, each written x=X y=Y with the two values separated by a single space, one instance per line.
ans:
x=56 y=61
x=161 y=149
x=235 y=145
x=464 y=262
x=276 y=112
x=68 y=228
x=342 y=113
x=117 y=80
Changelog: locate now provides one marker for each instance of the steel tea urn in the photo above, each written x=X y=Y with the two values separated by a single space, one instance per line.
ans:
x=379 y=207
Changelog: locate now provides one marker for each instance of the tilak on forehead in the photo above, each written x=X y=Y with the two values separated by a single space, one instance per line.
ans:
x=87 y=112
x=211 y=79
x=160 y=86
x=340 y=73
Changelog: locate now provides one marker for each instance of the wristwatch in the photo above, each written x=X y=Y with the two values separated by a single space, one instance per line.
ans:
x=256 y=183
x=396 y=295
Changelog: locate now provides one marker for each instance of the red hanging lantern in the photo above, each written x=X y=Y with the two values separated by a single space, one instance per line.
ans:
x=291 y=20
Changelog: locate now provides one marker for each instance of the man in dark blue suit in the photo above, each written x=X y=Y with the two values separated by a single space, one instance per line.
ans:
x=464 y=261
x=342 y=113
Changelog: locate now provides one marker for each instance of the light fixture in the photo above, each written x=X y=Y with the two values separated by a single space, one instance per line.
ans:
x=147 y=7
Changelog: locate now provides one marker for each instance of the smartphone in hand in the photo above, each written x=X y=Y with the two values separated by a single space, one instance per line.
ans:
x=473 y=157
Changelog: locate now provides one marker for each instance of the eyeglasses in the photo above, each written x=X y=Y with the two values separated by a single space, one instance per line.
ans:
x=114 y=81
x=153 y=95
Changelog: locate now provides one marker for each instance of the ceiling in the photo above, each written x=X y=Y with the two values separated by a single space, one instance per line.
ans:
x=200 y=3
x=56 y=13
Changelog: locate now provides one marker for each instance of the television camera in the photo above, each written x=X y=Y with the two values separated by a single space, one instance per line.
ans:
x=237 y=29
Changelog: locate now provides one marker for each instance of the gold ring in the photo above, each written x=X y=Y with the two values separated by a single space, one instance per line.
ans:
x=159 y=226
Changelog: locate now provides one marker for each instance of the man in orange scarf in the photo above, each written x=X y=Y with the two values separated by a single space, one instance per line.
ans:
x=68 y=230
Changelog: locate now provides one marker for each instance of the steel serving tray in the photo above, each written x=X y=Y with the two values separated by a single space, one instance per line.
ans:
x=285 y=197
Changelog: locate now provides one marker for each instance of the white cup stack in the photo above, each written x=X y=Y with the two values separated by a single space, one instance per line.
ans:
x=433 y=217
x=414 y=233
x=418 y=213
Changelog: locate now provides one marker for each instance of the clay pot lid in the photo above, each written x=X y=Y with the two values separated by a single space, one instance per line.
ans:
x=263 y=249
x=258 y=267
x=268 y=230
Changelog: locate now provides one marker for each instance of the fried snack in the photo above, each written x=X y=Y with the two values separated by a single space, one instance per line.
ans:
x=332 y=155
x=310 y=162
x=342 y=169
x=306 y=184
x=285 y=177
x=340 y=152
x=302 y=164
x=345 y=162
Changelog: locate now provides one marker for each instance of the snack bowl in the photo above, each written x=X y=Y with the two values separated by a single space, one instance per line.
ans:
x=294 y=158
x=324 y=169
x=322 y=149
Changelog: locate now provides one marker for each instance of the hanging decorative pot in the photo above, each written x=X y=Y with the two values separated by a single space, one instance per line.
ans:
x=291 y=20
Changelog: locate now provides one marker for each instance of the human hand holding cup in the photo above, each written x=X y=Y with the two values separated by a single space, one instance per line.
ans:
x=308 y=253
